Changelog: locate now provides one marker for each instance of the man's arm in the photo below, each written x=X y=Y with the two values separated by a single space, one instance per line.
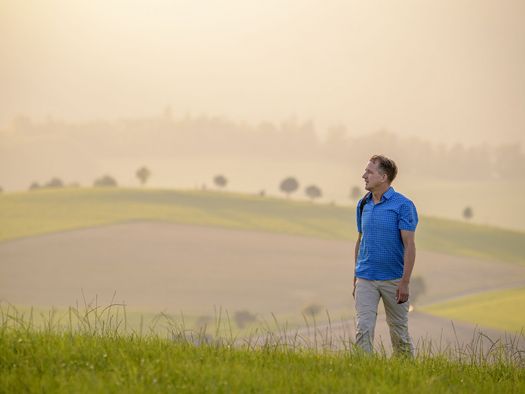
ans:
x=408 y=238
x=358 y=242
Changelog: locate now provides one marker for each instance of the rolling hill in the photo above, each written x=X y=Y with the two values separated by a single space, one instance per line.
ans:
x=46 y=211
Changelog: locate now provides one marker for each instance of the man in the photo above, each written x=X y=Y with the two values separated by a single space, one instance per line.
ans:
x=385 y=253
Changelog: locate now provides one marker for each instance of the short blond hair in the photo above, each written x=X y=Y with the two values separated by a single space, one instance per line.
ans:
x=386 y=166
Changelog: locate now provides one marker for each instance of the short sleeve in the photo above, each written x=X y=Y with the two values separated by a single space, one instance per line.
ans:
x=408 y=216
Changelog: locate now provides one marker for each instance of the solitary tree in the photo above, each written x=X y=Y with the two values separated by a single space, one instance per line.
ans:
x=143 y=174
x=34 y=186
x=105 y=181
x=313 y=192
x=289 y=185
x=468 y=213
x=220 y=181
x=355 y=193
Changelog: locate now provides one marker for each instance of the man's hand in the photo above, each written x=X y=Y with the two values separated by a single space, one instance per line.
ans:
x=402 y=292
x=353 y=291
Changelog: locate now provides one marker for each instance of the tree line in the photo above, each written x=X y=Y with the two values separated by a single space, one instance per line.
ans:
x=166 y=136
x=288 y=186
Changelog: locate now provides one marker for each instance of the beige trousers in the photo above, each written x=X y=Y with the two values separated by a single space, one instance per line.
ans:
x=367 y=295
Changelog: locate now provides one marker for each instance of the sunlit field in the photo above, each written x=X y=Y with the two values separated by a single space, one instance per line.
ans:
x=503 y=310
x=33 y=213
x=124 y=347
x=127 y=240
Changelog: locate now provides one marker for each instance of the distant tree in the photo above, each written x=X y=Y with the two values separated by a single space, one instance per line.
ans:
x=54 y=183
x=1 y=190
x=289 y=185
x=73 y=184
x=242 y=318
x=143 y=175
x=34 y=186
x=220 y=181
x=355 y=193
x=105 y=181
x=313 y=192
x=312 y=310
x=468 y=213
x=262 y=192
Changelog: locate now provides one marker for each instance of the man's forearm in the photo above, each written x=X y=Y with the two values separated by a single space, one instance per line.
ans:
x=409 y=261
x=356 y=253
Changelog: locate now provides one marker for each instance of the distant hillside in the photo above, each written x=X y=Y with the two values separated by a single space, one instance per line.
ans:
x=45 y=211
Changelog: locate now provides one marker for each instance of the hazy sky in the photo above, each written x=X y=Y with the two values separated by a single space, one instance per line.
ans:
x=451 y=70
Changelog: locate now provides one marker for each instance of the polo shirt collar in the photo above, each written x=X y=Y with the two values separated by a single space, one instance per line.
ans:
x=389 y=193
x=386 y=195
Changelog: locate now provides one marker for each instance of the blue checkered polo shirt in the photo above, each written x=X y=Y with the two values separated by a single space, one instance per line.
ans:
x=381 y=249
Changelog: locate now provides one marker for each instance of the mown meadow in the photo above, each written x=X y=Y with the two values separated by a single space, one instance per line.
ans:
x=32 y=213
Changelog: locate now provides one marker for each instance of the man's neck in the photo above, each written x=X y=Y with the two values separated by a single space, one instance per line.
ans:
x=377 y=194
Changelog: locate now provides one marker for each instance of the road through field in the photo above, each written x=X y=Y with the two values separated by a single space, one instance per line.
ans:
x=157 y=267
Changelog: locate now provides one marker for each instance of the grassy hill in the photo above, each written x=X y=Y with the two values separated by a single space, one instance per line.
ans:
x=46 y=211
x=495 y=309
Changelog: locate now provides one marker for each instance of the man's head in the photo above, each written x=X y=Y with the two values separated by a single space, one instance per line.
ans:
x=379 y=173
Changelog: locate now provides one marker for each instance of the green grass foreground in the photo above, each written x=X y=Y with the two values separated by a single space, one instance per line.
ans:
x=46 y=211
x=80 y=363
x=95 y=353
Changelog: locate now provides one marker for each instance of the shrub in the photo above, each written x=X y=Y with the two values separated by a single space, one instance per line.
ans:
x=105 y=181
x=242 y=318
x=54 y=183
x=312 y=310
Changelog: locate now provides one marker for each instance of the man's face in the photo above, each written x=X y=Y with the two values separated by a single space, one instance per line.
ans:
x=373 y=177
